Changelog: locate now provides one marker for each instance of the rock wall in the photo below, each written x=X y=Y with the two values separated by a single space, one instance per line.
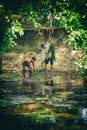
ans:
x=35 y=37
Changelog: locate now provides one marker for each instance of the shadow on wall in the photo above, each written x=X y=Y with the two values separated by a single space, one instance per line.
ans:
x=35 y=37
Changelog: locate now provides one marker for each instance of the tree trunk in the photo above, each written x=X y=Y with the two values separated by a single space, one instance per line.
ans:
x=0 y=65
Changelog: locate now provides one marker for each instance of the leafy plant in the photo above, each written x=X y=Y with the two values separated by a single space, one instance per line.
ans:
x=10 y=36
x=62 y=14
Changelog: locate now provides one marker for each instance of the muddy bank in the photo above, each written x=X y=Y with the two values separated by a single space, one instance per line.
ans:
x=65 y=59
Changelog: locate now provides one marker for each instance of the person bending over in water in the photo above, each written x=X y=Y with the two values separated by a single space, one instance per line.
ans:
x=29 y=63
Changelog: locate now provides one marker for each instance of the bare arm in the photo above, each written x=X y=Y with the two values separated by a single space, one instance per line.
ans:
x=33 y=66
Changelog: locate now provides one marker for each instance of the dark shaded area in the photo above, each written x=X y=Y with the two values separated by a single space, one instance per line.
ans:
x=14 y=122
x=78 y=6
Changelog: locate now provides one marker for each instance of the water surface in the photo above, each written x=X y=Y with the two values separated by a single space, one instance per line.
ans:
x=54 y=101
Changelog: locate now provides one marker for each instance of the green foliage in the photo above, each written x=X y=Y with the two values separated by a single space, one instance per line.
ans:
x=66 y=19
x=76 y=34
x=10 y=28
x=10 y=35
x=52 y=50
x=78 y=39
x=1 y=9
x=16 y=27
x=65 y=14
x=81 y=66
x=28 y=14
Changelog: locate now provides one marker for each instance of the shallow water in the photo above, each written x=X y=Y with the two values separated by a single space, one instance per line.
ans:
x=53 y=102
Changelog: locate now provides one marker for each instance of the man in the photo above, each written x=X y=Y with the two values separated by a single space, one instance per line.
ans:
x=48 y=54
x=29 y=63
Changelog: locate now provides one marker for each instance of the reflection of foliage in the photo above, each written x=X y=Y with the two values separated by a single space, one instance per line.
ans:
x=42 y=116
x=14 y=75
x=58 y=109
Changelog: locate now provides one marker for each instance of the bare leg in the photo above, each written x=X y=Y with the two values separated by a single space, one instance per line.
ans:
x=23 y=73
x=30 y=73
x=23 y=66
x=51 y=68
x=45 y=67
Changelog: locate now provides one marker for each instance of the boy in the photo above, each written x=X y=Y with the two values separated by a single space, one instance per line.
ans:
x=48 y=54
x=29 y=63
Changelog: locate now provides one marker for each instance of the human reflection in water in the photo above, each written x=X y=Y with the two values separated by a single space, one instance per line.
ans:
x=49 y=81
x=84 y=115
x=46 y=88
x=27 y=87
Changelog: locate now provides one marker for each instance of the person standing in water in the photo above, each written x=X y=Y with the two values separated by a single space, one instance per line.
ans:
x=48 y=54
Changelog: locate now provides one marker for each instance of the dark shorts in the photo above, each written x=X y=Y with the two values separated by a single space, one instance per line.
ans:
x=24 y=64
x=49 y=60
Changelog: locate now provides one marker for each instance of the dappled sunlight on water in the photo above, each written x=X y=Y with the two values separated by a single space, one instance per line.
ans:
x=56 y=100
